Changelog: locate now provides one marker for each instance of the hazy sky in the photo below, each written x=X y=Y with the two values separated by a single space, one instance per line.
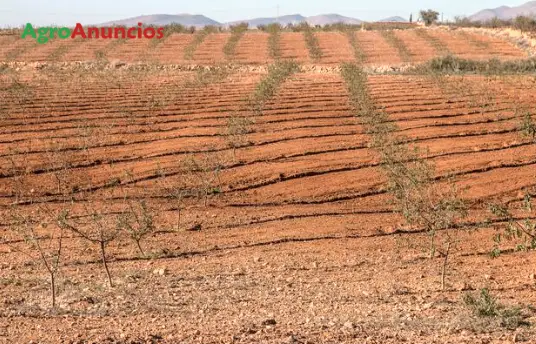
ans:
x=69 y=12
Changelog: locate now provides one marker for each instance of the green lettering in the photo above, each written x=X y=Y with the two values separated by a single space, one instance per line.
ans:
x=28 y=30
x=64 y=32
x=42 y=38
x=53 y=31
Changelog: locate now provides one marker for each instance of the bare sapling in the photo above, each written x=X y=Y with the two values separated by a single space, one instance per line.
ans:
x=138 y=222
x=58 y=163
x=237 y=129
x=528 y=126
x=96 y=227
x=448 y=246
x=520 y=223
x=44 y=237
x=175 y=190
x=203 y=174
x=19 y=172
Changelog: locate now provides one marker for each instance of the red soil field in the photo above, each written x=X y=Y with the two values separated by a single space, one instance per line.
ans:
x=419 y=49
x=86 y=51
x=464 y=48
x=210 y=51
x=494 y=46
x=132 y=50
x=296 y=239
x=377 y=50
x=172 y=49
x=292 y=45
x=335 y=48
x=253 y=49
x=6 y=44
x=52 y=51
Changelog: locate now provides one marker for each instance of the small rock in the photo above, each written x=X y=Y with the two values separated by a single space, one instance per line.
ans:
x=117 y=64
x=195 y=228
x=257 y=259
x=349 y=325
x=463 y=286
x=269 y=322
x=291 y=339
x=160 y=272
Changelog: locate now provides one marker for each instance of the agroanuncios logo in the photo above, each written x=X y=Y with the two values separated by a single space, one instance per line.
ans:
x=44 y=34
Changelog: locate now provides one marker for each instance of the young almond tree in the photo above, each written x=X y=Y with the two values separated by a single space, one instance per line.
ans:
x=138 y=221
x=43 y=237
x=203 y=174
x=520 y=223
x=175 y=190
x=237 y=129
x=99 y=228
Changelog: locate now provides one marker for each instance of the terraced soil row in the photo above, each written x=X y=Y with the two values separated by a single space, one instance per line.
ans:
x=253 y=48
x=473 y=137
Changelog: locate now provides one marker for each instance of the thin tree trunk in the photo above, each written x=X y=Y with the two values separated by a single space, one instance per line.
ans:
x=179 y=221
x=139 y=248
x=53 y=288
x=444 y=269
x=432 y=245
x=103 y=255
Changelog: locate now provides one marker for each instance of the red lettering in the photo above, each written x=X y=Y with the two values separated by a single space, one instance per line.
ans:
x=78 y=31
x=149 y=33
x=129 y=32
x=106 y=32
x=121 y=30
x=139 y=30
x=160 y=33
x=93 y=31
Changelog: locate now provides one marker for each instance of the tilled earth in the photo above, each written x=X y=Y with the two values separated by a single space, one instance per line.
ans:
x=298 y=245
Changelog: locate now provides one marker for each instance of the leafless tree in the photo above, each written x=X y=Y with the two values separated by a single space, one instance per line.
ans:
x=99 y=228
x=29 y=225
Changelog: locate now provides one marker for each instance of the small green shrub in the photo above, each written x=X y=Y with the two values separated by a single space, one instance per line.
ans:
x=237 y=129
x=523 y=231
x=486 y=306
x=528 y=127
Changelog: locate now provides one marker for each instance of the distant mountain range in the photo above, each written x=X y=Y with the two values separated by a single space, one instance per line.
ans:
x=505 y=12
x=201 y=21
x=283 y=20
x=396 y=19
x=165 y=19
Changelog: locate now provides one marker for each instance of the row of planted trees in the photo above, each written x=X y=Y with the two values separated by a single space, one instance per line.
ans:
x=426 y=200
